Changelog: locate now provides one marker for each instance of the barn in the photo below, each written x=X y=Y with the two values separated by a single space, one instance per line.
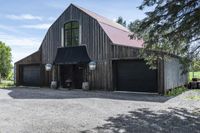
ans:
x=82 y=46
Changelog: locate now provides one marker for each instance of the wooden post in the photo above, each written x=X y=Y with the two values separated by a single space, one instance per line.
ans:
x=58 y=75
x=53 y=73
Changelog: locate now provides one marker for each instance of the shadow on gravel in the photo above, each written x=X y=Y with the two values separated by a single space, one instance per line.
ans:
x=27 y=93
x=147 y=121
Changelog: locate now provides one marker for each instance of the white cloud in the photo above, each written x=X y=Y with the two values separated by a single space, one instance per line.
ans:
x=8 y=28
x=21 y=46
x=19 y=41
x=24 y=17
x=37 y=26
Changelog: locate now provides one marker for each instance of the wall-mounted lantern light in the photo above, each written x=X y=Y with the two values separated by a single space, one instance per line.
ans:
x=48 y=67
x=92 y=65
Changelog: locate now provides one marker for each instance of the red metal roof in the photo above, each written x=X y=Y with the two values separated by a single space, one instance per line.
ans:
x=121 y=37
x=117 y=33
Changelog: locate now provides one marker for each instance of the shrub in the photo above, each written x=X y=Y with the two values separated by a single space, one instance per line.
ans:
x=10 y=76
x=6 y=84
x=176 y=91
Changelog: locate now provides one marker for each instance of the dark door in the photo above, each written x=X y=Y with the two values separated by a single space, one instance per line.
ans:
x=135 y=75
x=73 y=73
x=66 y=72
x=31 y=75
x=78 y=76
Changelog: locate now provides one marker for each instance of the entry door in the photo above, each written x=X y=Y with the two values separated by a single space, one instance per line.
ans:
x=66 y=74
x=78 y=76
x=74 y=73
x=135 y=75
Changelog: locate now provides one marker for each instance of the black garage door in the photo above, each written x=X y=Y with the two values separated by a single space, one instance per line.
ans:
x=134 y=75
x=31 y=75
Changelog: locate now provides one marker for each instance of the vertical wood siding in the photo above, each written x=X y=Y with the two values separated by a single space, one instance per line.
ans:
x=173 y=76
x=124 y=52
x=99 y=47
x=34 y=58
x=91 y=35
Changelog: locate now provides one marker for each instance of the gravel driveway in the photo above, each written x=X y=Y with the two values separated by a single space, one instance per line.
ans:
x=36 y=110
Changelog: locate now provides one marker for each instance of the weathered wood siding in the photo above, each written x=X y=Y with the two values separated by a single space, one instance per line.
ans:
x=120 y=52
x=100 y=49
x=173 y=76
x=91 y=35
x=34 y=58
x=160 y=76
x=31 y=59
x=124 y=52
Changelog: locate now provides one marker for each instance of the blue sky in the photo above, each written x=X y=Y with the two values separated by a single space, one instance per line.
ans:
x=24 y=23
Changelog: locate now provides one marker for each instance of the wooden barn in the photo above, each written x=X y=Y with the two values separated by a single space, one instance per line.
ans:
x=81 y=46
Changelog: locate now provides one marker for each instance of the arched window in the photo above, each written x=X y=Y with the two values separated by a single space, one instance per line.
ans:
x=71 y=33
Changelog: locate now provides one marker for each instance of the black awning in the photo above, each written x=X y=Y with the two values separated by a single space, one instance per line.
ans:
x=72 y=55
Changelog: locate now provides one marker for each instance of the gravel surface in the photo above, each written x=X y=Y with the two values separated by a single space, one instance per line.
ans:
x=38 y=110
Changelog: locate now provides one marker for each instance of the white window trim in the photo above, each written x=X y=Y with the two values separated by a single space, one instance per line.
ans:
x=80 y=33
x=62 y=37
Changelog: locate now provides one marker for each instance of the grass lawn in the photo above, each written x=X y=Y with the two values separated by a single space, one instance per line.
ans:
x=6 y=84
x=194 y=97
x=196 y=75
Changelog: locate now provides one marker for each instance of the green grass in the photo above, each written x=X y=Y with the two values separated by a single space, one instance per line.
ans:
x=196 y=75
x=6 y=84
x=176 y=91
x=195 y=97
x=197 y=90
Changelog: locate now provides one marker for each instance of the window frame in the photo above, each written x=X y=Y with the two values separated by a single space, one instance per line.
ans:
x=71 y=29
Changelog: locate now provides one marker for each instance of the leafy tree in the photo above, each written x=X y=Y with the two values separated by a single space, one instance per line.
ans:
x=10 y=75
x=195 y=65
x=121 y=21
x=171 y=27
x=5 y=60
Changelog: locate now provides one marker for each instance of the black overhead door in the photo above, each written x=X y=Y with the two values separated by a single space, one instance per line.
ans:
x=31 y=75
x=134 y=75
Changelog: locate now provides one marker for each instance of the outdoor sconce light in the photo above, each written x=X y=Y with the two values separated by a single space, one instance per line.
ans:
x=92 y=65
x=48 y=67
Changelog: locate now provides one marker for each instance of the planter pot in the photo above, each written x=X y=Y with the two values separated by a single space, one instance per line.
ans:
x=85 y=86
x=54 y=84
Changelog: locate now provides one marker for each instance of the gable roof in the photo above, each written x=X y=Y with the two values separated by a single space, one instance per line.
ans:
x=116 y=32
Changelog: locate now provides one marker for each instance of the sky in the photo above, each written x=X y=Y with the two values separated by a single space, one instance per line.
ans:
x=24 y=23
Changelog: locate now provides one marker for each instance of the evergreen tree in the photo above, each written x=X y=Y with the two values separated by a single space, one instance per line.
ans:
x=121 y=21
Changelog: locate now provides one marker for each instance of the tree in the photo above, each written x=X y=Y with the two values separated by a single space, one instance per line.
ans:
x=196 y=65
x=171 y=27
x=5 y=60
x=121 y=21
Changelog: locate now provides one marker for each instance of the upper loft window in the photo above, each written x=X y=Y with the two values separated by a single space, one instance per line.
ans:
x=71 y=33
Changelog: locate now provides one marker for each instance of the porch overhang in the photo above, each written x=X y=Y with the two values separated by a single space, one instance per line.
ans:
x=72 y=55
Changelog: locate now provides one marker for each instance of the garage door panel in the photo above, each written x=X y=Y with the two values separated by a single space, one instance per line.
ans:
x=135 y=75
x=31 y=75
